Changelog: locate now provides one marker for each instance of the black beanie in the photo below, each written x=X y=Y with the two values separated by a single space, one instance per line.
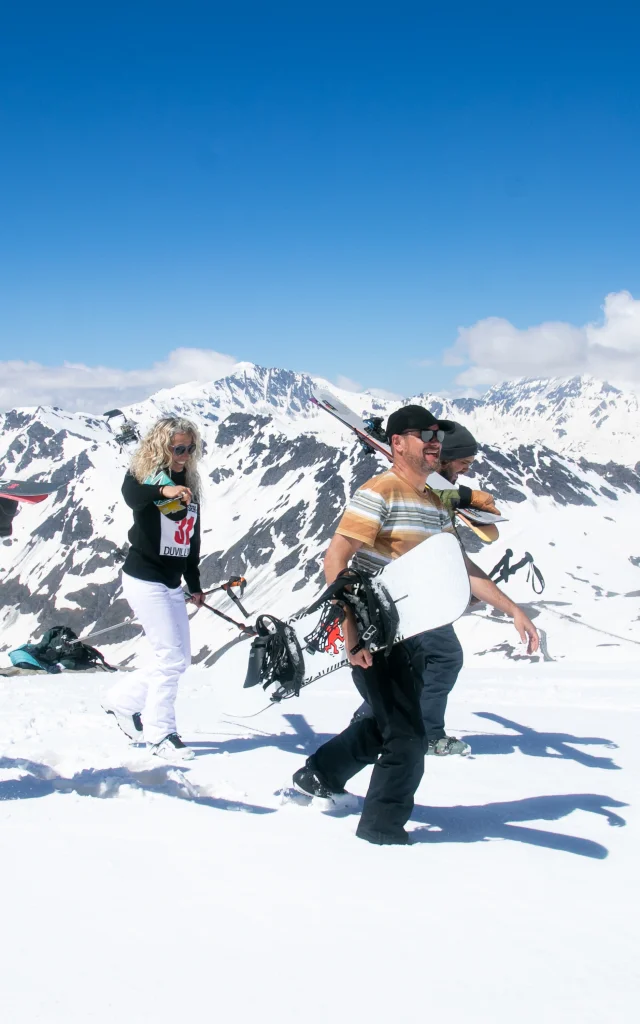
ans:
x=458 y=444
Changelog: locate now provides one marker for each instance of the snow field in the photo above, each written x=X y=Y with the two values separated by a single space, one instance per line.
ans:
x=135 y=890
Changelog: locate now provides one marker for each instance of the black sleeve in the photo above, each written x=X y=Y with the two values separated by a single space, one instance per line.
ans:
x=192 y=571
x=8 y=509
x=138 y=496
x=465 y=496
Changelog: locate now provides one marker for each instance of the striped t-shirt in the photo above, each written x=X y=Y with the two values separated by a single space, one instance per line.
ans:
x=389 y=516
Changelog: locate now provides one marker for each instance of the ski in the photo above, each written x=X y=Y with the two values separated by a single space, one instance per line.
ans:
x=371 y=434
x=30 y=493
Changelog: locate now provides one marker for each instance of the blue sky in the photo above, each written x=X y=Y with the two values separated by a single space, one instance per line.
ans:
x=329 y=187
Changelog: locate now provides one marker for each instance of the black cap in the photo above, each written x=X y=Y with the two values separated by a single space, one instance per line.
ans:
x=415 y=417
x=458 y=444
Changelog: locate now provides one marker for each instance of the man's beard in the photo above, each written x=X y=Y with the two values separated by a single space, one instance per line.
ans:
x=422 y=463
x=445 y=470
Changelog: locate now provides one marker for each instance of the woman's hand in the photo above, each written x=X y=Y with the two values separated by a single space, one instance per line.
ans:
x=197 y=599
x=179 y=491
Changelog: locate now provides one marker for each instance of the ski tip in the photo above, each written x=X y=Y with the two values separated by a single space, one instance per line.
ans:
x=487 y=532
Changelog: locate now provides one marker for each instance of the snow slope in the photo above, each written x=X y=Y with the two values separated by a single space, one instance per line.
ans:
x=136 y=892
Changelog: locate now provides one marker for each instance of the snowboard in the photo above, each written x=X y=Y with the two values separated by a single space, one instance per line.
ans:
x=482 y=523
x=31 y=494
x=429 y=586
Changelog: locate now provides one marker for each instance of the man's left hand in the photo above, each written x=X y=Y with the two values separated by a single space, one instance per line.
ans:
x=197 y=599
x=483 y=501
x=527 y=630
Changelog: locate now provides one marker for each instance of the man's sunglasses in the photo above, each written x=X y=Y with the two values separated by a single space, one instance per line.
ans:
x=183 y=449
x=429 y=435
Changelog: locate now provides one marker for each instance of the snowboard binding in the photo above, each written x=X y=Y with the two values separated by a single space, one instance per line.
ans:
x=373 y=427
x=375 y=613
x=275 y=657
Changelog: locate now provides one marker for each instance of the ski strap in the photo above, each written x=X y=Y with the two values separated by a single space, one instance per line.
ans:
x=239 y=582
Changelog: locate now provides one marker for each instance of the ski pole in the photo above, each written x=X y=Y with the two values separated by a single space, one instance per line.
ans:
x=125 y=622
x=227 y=618
x=249 y=630
x=233 y=581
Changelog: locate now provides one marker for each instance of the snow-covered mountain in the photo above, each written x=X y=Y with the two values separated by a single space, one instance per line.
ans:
x=557 y=455
x=581 y=417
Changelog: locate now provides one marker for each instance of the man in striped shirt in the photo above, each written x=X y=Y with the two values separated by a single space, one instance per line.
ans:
x=386 y=517
x=443 y=655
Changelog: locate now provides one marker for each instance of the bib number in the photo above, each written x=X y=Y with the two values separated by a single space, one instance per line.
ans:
x=175 y=537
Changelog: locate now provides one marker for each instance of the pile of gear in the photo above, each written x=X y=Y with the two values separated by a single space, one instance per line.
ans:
x=59 y=649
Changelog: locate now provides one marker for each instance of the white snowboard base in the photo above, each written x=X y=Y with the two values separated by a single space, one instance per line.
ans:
x=429 y=586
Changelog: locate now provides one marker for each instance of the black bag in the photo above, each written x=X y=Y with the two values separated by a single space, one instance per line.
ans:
x=59 y=646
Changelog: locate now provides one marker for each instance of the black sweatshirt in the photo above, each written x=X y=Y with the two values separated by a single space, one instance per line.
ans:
x=163 y=547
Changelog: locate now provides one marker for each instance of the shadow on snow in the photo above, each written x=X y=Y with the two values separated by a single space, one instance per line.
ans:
x=303 y=740
x=485 y=822
x=104 y=783
x=459 y=824
x=539 y=744
x=482 y=822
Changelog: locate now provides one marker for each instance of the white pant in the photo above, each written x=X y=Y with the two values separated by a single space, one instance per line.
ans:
x=152 y=691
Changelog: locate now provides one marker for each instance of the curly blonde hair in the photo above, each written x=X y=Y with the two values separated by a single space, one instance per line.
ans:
x=154 y=452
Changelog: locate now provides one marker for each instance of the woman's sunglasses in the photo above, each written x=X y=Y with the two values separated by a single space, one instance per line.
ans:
x=182 y=449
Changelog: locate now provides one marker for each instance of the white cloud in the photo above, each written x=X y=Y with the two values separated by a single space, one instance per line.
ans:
x=347 y=384
x=494 y=350
x=76 y=387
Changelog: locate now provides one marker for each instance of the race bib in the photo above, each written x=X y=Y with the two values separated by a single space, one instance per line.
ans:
x=175 y=538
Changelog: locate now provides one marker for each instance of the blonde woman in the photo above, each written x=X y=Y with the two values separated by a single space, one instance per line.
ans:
x=162 y=488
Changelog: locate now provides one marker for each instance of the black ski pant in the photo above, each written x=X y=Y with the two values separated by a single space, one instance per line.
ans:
x=393 y=740
x=441 y=658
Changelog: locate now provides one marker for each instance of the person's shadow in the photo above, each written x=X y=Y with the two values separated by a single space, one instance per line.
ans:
x=539 y=744
x=484 y=822
x=302 y=740
x=40 y=780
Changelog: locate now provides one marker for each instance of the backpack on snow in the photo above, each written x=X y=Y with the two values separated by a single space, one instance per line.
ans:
x=59 y=648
